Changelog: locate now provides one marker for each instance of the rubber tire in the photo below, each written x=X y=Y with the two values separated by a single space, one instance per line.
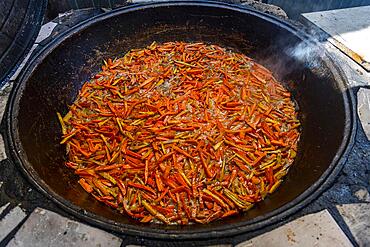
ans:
x=60 y=6
x=20 y=22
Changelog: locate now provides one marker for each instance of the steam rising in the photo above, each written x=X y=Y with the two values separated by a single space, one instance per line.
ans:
x=287 y=56
x=305 y=53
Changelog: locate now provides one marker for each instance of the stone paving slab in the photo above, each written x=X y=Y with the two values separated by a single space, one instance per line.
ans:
x=357 y=218
x=363 y=195
x=10 y=221
x=15 y=75
x=45 y=31
x=4 y=95
x=363 y=108
x=45 y=228
x=2 y=149
x=357 y=75
x=319 y=229
x=349 y=30
x=2 y=209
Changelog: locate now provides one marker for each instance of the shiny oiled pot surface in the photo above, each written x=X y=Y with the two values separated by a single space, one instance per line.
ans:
x=51 y=81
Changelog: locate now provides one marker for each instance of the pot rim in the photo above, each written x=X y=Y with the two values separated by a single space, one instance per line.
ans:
x=13 y=146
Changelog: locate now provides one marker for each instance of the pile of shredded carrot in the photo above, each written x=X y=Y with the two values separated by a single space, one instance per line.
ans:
x=181 y=133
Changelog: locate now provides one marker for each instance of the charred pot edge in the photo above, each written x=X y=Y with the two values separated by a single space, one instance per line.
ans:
x=316 y=189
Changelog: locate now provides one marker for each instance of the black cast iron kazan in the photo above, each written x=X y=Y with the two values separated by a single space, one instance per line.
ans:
x=50 y=82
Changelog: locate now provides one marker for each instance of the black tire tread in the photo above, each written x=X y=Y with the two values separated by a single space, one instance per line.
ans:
x=20 y=21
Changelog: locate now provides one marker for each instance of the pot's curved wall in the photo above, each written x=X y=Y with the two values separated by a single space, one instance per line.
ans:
x=57 y=78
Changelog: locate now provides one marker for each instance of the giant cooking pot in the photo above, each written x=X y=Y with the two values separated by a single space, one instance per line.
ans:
x=50 y=82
